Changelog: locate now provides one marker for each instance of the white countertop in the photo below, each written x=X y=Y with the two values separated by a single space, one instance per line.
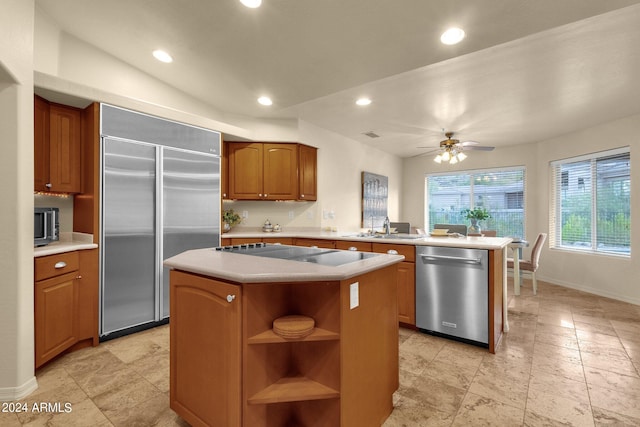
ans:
x=68 y=242
x=471 y=242
x=254 y=269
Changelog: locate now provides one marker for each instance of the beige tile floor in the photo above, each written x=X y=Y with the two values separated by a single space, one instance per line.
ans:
x=570 y=358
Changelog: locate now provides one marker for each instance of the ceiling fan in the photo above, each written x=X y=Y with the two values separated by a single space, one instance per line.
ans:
x=451 y=150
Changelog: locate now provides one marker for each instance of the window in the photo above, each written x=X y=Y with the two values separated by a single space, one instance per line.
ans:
x=591 y=203
x=500 y=191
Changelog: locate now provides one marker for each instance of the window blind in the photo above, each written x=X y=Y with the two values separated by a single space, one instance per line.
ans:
x=591 y=203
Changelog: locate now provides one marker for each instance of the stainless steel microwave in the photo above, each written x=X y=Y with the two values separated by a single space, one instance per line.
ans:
x=46 y=226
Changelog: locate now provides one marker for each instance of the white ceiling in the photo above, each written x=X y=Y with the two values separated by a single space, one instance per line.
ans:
x=527 y=70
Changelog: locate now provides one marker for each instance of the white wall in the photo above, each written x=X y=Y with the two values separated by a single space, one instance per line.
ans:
x=340 y=164
x=16 y=210
x=609 y=276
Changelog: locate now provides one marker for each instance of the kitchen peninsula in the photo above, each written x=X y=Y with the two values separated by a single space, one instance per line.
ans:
x=231 y=367
x=408 y=245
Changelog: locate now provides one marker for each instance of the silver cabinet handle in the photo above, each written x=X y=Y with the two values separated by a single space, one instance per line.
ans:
x=265 y=194
x=230 y=298
x=314 y=246
x=353 y=248
x=78 y=277
x=48 y=185
x=260 y=195
x=392 y=252
x=302 y=196
x=60 y=264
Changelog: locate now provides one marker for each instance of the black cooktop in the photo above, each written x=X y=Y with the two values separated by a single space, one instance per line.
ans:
x=321 y=256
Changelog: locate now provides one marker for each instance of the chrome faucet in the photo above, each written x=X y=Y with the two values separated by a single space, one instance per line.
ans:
x=387 y=226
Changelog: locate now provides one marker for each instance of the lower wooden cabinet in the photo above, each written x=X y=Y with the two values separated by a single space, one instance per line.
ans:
x=65 y=303
x=56 y=300
x=406 y=280
x=206 y=334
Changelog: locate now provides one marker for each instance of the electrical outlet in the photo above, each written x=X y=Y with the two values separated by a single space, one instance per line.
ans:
x=245 y=214
x=291 y=214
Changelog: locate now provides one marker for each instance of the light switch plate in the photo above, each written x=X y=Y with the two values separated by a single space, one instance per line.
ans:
x=354 y=295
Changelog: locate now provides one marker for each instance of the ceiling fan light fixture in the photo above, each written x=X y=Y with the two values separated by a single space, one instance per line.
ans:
x=461 y=156
x=446 y=156
x=452 y=36
x=438 y=159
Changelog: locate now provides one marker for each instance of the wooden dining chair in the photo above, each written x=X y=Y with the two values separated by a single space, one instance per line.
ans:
x=531 y=265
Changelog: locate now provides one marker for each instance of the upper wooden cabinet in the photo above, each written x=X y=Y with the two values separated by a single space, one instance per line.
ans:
x=307 y=172
x=270 y=171
x=56 y=147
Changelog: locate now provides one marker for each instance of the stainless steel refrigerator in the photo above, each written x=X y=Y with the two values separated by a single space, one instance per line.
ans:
x=160 y=196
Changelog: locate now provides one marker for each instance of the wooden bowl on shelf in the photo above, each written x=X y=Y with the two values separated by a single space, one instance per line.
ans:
x=293 y=326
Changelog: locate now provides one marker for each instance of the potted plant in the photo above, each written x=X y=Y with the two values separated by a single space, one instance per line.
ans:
x=475 y=215
x=230 y=218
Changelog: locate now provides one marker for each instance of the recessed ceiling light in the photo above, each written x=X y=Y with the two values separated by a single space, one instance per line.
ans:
x=163 y=56
x=265 y=100
x=251 y=3
x=452 y=36
x=363 y=101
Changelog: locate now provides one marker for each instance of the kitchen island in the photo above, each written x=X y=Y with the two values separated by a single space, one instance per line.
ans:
x=231 y=367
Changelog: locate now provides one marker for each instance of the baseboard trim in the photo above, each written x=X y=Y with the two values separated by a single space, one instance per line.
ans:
x=590 y=290
x=9 y=394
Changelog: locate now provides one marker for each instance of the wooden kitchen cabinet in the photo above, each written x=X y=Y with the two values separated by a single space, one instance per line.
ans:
x=320 y=243
x=65 y=303
x=406 y=280
x=55 y=302
x=358 y=245
x=270 y=171
x=224 y=171
x=307 y=173
x=57 y=148
x=206 y=339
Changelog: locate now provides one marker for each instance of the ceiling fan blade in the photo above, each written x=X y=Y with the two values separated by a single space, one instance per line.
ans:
x=478 y=148
x=468 y=143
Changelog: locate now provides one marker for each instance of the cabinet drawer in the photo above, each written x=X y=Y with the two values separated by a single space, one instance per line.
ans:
x=359 y=245
x=55 y=265
x=409 y=251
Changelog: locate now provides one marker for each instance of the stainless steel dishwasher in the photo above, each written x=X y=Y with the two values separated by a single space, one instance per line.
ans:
x=452 y=292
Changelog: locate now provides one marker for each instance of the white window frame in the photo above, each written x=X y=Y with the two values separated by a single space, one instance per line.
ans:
x=477 y=172
x=555 y=206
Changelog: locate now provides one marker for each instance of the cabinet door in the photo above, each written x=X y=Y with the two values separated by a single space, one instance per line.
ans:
x=280 y=171
x=64 y=148
x=40 y=144
x=88 y=289
x=245 y=171
x=406 y=293
x=205 y=332
x=307 y=173
x=224 y=172
x=55 y=316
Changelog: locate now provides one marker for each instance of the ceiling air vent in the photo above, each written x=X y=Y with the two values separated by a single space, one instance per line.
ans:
x=371 y=134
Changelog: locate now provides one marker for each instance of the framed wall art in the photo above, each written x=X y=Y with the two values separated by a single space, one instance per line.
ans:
x=375 y=192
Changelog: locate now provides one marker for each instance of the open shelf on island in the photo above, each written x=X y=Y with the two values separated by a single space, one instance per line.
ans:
x=270 y=337
x=293 y=389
